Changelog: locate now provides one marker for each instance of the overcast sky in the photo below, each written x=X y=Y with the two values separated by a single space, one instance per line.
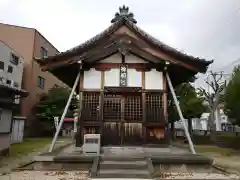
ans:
x=205 y=28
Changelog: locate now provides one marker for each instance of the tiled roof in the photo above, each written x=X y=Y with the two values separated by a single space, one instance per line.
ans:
x=110 y=30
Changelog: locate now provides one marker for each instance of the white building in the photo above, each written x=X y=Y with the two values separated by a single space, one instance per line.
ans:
x=202 y=122
x=11 y=66
x=11 y=72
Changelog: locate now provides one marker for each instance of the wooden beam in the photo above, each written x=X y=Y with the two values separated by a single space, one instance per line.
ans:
x=137 y=66
x=67 y=60
x=56 y=64
x=143 y=79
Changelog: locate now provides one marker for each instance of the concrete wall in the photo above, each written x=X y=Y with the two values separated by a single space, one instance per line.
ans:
x=5 y=57
x=5 y=129
x=5 y=144
x=5 y=120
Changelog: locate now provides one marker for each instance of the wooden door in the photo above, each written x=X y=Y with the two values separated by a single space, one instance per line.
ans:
x=112 y=116
x=122 y=116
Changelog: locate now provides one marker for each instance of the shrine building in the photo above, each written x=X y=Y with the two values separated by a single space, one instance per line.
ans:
x=123 y=86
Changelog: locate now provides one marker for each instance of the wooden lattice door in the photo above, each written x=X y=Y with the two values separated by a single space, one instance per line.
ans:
x=122 y=116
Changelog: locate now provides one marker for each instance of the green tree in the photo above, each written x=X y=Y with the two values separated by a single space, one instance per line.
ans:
x=52 y=104
x=232 y=97
x=192 y=105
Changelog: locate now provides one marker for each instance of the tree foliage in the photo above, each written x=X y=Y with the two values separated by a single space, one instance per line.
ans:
x=232 y=97
x=53 y=103
x=190 y=102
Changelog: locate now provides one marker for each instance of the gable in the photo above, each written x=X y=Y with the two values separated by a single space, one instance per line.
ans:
x=117 y=58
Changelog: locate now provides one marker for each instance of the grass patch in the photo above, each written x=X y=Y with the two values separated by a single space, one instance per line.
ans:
x=214 y=149
x=28 y=145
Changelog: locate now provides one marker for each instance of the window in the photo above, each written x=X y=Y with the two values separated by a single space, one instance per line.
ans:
x=8 y=82
x=10 y=69
x=1 y=65
x=41 y=82
x=43 y=52
x=14 y=59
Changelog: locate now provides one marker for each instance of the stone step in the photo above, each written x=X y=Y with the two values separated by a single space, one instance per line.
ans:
x=123 y=173
x=122 y=158
x=123 y=165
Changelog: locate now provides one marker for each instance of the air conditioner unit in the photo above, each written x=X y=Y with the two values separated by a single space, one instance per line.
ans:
x=91 y=144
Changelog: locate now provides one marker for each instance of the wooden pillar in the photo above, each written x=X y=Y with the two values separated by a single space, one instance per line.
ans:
x=101 y=103
x=164 y=97
x=165 y=106
x=79 y=135
x=143 y=108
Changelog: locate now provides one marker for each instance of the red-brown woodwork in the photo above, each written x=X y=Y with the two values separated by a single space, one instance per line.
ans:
x=138 y=66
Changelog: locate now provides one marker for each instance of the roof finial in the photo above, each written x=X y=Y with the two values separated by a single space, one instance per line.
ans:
x=124 y=13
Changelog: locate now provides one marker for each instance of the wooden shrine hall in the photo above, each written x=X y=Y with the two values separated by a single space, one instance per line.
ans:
x=122 y=82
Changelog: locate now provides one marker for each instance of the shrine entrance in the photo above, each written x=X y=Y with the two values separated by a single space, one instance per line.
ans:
x=122 y=115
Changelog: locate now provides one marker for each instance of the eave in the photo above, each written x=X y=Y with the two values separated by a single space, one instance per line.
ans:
x=68 y=73
x=108 y=43
x=100 y=38
x=136 y=47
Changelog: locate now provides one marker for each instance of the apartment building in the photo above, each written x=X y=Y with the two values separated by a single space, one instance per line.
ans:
x=11 y=72
x=30 y=43
x=11 y=66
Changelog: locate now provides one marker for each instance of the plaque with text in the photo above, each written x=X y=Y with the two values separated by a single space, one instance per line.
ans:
x=123 y=75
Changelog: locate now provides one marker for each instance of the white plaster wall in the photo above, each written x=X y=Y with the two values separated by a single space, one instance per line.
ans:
x=111 y=77
x=153 y=80
x=134 y=78
x=92 y=79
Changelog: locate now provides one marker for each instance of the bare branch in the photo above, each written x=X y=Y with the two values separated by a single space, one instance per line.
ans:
x=220 y=77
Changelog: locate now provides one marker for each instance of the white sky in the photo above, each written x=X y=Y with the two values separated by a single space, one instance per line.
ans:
x=205 y=28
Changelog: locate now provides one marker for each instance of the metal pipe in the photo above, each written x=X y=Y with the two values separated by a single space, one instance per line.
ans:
x=64 y=113
x=180 y=115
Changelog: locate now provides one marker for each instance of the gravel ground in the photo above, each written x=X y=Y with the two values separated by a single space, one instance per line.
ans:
x=77 y=175
x=46 y=175
x=197 y=176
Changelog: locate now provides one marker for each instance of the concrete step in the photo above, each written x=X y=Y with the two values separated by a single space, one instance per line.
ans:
x=123 y=165
x=122 y=158
x=123 y=173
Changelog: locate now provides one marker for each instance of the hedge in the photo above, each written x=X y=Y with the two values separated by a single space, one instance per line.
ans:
x=221 y=139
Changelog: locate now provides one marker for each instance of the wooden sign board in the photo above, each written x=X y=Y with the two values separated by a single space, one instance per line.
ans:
x=123 y=76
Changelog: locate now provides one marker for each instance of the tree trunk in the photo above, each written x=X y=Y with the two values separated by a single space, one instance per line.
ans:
x=211 y=125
